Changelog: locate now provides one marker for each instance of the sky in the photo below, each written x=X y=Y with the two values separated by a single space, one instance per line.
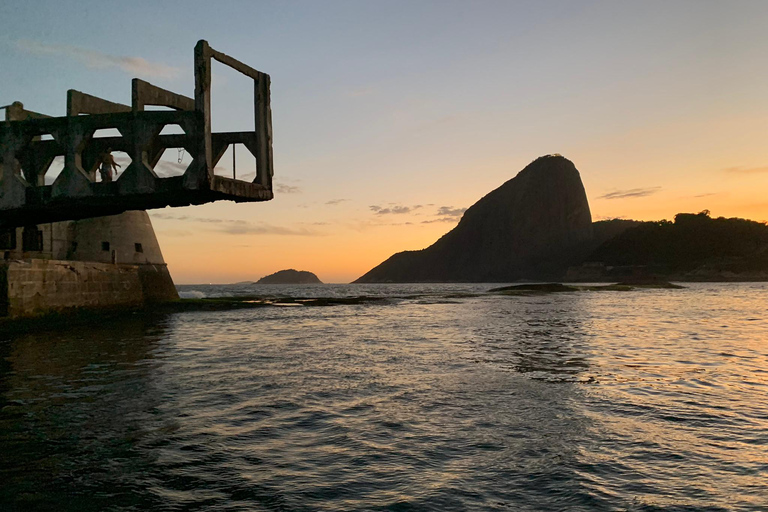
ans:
x=390 y=118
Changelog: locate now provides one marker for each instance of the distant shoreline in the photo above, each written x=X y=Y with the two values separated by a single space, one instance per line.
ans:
x=760 y=279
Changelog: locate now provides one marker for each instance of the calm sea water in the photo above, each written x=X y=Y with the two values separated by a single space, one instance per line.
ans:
x=439 y=398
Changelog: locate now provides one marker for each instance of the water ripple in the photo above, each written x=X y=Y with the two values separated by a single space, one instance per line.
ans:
x=443 y=398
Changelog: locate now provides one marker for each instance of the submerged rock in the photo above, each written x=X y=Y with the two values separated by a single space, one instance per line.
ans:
x=650 y=283
x=540 y=288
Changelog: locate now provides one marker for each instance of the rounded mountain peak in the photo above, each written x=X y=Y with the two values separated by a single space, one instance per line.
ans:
x=547 y=165
x=528 y=228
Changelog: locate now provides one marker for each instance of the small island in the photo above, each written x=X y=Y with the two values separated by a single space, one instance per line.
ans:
x=290 y=276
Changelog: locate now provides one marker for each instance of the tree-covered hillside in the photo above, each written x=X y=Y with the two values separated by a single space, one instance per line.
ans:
x=688 y=243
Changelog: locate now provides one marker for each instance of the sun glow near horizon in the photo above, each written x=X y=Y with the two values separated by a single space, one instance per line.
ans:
x=353 y=237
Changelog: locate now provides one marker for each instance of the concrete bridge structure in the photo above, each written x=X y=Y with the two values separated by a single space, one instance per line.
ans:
x=76 y=242
x=30 y=141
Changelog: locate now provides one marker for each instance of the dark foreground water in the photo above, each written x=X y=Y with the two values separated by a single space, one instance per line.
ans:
x=647 y=400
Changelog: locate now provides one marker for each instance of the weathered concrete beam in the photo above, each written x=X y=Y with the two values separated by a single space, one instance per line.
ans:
x=106 y=200
x=263 y=131
x=16 y=112
x=144 y=93
x=234 y=63
x=82 y=103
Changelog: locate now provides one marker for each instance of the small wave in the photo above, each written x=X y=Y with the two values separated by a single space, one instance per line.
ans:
x=191 y=294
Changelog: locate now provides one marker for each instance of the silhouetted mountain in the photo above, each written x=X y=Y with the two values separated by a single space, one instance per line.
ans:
x=531 y=227
x=290 y=276
x=694 y=246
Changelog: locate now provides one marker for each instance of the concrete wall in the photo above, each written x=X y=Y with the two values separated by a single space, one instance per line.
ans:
x=74 y=269
x=156 y=284
x=34 y=287
x=83 y=240
x=122 y=233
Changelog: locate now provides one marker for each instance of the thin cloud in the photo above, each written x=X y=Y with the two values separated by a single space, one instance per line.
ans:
x=746 y=170
x=175 y=233
x=609 y=217
x=440 y=219
x=334 y=202
x=364 y=225
x=164 y=216
x=630 y=193
x=239 y=227
x=242 y=227
x=99 y=60
x=282 y=188
x=450 y=211
x=397 y=209
x=446 y=214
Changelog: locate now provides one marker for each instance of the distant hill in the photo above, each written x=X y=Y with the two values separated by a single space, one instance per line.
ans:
x=532 y=227
x=604 y=230
x=694 y=246
x=290 y=276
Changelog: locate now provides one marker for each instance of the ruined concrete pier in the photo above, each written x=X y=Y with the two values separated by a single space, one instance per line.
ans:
x=75 y=242
x=30 y=141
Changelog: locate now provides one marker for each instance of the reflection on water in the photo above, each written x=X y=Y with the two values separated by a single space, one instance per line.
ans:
x=435 y=400
x=75 y=405
x=541 y=337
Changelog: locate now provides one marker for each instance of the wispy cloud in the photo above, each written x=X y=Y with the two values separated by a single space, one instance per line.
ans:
x=239 y=227
x=630 y=193
x=99 y=60
x=746 y=170
x=608 y=217
x=243 y=227
x=175 y=233
x=450 y=211
x=169 y=216
x=439 y=219
x=363 y=225
x=334 y=202
x=282 y=188
x=395 y=209
x=446 y=214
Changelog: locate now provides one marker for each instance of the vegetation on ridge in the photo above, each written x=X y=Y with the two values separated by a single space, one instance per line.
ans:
x=691 y=242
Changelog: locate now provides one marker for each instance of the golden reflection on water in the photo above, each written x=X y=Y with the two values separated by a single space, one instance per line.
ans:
x=582 y=401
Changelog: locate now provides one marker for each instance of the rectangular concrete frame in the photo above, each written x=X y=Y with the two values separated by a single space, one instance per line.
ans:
x=25 y=157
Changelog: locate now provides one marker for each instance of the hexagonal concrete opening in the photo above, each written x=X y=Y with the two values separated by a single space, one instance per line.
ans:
x=103 y=171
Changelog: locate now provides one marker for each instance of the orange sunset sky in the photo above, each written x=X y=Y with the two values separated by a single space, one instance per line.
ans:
x=391 y=118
